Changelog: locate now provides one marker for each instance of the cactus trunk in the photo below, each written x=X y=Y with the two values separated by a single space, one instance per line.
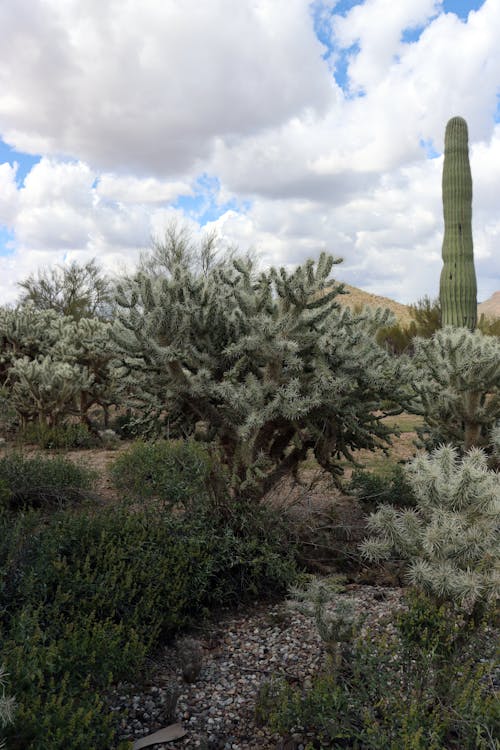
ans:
x=458 y=290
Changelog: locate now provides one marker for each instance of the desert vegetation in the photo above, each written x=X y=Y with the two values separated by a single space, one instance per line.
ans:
x=216 y=384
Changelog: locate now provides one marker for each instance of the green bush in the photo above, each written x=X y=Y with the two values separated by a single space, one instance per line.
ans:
x=40 y=482
x=410 y=691
x=64 y=436
x=181 y=473
x=373 y=490
x=125 y=426
x=84 y=597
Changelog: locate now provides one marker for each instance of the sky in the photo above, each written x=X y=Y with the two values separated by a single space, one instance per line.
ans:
x=287 y=126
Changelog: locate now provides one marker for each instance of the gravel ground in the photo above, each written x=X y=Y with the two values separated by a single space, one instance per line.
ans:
x=238 y=655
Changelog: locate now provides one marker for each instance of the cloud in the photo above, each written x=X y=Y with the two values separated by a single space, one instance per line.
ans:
x=149 y=86
x=128 y=189
x=230 y=113
x=8 y=194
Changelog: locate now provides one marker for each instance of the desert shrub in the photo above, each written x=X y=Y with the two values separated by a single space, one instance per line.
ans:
x=489 y=326
x=85 y=596
x=373 y=489
x=385 y=701
x=9 y=421
x=40 y=481
x=426 y=319
x=180 y=473
x=125 y=425
x=64 y=436
x=420 y=687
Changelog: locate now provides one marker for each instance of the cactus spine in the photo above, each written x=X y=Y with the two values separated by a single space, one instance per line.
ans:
x=458 y=290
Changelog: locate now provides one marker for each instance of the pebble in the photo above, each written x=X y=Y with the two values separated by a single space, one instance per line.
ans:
x=239 y=654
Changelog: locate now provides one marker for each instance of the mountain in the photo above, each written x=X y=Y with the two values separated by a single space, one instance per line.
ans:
x=491 y=307
x=356 y=298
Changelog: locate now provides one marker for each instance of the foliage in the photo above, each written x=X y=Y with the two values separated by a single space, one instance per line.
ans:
x=125 y=425
x=177 y=247
x=489 y=326
x=40 y=482
x=410 y=691
x=421 y=687
x=85 y=596
x=9 y=422
x=7 y=705
x=74 y=290
x=265 y=365
x=457 y=382
x=450 y=540
x=457 y=289
x=398 y=337
x=179 y=473
x=66 y=436
x=373 y=490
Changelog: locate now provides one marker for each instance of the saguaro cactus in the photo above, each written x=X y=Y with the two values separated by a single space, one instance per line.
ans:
x=458 y=290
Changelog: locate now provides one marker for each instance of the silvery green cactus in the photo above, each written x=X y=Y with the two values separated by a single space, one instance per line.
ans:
x=267 y=362
x=458 y=290
x=457 y=382
x=46 y=389
x=450 y=540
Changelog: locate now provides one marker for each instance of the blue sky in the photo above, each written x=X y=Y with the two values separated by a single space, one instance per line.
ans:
x=327 y=134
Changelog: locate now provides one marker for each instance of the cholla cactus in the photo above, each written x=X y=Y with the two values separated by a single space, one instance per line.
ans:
x=87 y=343
x=451 y=540
x=7 y=705
x=268 y=363
x=495 y=445
x=337 y=620
x=55 y=366
x=25 y=332
x=458 y=384
x=46 y=390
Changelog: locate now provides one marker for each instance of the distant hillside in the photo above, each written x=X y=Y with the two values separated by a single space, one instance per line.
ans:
x=358 y=298
x=491 y=307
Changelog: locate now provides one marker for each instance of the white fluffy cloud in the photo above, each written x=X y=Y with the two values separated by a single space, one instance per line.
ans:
x=139 y=107
x=149 y=85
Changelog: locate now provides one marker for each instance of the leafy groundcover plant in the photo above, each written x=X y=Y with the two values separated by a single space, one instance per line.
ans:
x=428 y=683
x=86 y=594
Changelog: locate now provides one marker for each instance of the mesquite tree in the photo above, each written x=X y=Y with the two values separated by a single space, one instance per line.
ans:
x=266 y=365
x=451 y=540
x=74 y=290
x=458 y=291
